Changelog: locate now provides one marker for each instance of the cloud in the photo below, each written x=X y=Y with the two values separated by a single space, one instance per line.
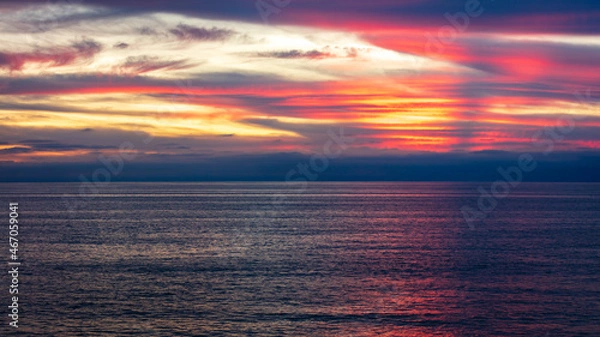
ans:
x=51 y=57
x=87 y=47
x=518 y=16
x=296 y=54
x=52 y=145
x=482 y=92
x=474 y=166
x=187 y=32
x=15 y=150
x=146 y=31
x=205 y=84
x=136 y=65
x=35 y=17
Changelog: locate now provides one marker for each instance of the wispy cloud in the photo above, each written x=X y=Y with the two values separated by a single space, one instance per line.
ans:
x=51 y=57
x=136 y=65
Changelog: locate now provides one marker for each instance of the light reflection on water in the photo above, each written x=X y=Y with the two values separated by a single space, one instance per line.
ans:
x=341 y=259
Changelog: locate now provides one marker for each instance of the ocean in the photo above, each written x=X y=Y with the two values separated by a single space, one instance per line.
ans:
x=337 y=259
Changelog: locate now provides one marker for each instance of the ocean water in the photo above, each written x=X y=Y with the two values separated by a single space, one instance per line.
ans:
x=339 y=259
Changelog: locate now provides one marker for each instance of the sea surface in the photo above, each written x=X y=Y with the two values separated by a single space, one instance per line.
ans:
x=336 y=259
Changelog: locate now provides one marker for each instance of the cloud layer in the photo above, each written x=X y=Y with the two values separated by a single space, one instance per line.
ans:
x=77 y=79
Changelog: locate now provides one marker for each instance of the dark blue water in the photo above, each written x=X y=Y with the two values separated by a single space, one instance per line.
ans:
x=340 y=259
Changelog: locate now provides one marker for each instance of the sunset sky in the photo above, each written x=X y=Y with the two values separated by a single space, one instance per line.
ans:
x=199 y=81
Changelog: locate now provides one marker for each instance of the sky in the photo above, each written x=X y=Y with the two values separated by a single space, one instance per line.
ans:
x=236 y=89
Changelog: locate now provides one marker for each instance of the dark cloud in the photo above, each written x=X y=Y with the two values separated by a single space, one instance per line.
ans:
x=580 y=16
x=36 y=107
x=147 y=31
x=136 y=65
x=55 y=57
x=56 y=138
x=474 y=166
x=16 y=150
x=121 y=45
x=173 y=146
x=35 y=141
x=51 y=145
x=187 y=32
x=72 y=83
x=296 y=54
x=87 y=47
x=61 y=13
